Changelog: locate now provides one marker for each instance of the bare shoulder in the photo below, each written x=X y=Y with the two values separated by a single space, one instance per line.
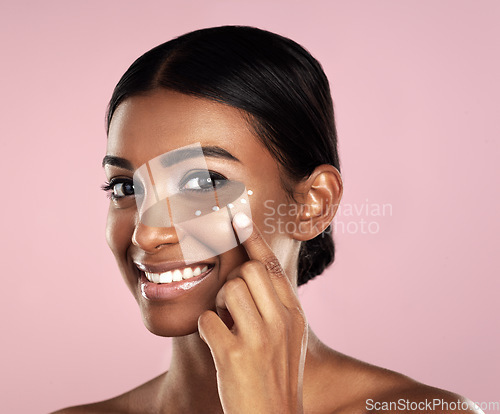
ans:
x=137 y=400
x=356 y=387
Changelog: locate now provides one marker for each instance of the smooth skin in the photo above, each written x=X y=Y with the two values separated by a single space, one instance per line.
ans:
x=241 y=342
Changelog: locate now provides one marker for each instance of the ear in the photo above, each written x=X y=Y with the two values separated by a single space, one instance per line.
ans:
x=319 y=196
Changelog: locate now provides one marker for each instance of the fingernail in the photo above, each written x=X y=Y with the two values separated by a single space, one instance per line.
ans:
x=241 y=220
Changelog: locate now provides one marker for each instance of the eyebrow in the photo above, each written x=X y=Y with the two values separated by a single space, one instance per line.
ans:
x=117 y=162
x=174 y=157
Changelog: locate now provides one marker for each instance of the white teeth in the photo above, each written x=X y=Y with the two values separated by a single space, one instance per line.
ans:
x=187 y=273
x=166 y=277
x=176 y=275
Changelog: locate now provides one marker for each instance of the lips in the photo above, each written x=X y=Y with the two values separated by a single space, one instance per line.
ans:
x=169 y=280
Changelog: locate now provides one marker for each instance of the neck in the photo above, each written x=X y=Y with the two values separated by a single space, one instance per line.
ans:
x=191 y=382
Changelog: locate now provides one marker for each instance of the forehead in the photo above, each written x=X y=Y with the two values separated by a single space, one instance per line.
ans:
x=145 y=126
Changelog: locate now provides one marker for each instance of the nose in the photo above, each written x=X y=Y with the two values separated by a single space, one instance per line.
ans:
x=150 y=239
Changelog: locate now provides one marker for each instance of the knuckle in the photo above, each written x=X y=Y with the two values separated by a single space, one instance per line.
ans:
x=254 y=237
x=234 y=285
x=235 y=354
x=273 y=265
x=251 y=266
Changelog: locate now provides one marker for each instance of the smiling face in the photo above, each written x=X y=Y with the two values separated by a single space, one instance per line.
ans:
x=144 y=127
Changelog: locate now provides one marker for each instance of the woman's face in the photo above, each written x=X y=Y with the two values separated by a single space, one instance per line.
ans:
x=144 y=127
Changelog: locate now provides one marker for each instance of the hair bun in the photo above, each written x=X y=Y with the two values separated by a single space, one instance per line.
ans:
x=315 y=256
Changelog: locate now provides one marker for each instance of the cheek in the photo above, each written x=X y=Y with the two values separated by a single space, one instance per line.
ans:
x=119 y=230
x=271 y=207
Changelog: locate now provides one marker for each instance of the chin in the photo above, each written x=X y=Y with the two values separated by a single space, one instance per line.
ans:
x=161 y=321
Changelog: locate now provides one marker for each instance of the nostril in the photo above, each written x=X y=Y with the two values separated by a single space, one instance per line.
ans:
x=152 y=238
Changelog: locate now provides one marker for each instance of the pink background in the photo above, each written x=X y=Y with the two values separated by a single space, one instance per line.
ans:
x=416 y=92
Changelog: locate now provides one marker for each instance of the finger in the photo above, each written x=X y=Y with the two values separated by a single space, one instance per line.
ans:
x=258 y=249
x=234 y=297
x=214 y=333
x=260 y=287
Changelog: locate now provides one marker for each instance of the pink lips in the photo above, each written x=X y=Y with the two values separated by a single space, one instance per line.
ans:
x=168 y=291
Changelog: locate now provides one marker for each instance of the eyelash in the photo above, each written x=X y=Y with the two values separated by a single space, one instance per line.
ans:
x=216 y=177
x=109 y=186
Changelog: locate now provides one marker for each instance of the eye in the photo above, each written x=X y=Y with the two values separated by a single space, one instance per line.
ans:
x=119 y=188
x=200 y=181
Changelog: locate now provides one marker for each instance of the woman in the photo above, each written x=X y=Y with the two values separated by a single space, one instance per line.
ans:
x=258 y=106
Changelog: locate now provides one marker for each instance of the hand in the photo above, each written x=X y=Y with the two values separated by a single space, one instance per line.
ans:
x=258 y=337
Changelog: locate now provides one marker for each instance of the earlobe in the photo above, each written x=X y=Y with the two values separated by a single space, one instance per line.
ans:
x=321 y=192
